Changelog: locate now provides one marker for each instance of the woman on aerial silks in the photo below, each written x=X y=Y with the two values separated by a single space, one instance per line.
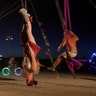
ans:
x=69 y=40
x=30 y=47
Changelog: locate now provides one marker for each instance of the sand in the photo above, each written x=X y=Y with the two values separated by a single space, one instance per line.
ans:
x=49 y=84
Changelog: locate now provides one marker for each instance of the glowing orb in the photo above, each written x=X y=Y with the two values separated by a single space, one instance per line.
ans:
x=17 y=71
x=6 y=71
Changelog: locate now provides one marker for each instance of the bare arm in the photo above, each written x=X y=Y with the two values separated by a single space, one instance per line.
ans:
x=77 y=38
x=62 y=44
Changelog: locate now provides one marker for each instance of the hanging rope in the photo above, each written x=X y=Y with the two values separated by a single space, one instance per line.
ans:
x=67 y=15
x=70 y=27
x=67 y=22
x=9 y=12
x=10 y=6
x=5 y=9
x=24 y=4
x=70 y=62
x=60 y=13
x=8 y=9
x=92 y=3
x=43 y=33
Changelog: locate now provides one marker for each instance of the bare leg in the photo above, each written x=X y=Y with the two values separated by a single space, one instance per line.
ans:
x=29 y=32
x=56 y=63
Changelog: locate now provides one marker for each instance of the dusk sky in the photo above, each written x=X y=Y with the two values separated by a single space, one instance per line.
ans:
x=83 y=19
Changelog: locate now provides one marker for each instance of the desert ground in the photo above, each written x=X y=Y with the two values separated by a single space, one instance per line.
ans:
x=49 y=84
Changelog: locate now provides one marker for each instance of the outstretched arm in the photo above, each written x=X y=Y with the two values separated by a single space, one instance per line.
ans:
x=62 y=44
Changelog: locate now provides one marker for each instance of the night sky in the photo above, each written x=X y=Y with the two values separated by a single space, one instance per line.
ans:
x=83 y=19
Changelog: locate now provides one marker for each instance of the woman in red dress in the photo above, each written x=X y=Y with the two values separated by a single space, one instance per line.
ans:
x=30 y=47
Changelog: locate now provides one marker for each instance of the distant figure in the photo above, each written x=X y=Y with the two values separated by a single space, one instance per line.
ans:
x=70 y=40
x=12 y=64
x=39 y=65
x=30 y=48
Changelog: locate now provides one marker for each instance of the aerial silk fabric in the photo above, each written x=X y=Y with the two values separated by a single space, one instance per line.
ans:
x=73 y=64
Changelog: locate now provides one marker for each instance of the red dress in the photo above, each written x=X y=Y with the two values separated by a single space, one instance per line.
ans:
x=24 y=40
x=36 y=49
